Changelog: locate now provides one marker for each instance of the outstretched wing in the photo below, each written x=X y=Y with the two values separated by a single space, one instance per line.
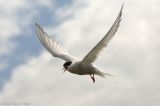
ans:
x=93 y=54
x=52 y=46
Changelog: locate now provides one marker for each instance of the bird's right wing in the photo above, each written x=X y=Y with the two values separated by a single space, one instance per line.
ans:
x=93 y=54
x=52 y=46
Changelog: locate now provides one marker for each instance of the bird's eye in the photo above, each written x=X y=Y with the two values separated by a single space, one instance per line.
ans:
x=66 y=64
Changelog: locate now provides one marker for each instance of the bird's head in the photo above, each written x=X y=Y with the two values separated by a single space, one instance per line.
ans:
x=66 y=65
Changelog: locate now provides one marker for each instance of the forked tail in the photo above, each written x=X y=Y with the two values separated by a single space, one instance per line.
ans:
x=106 y=75
x=102 y=74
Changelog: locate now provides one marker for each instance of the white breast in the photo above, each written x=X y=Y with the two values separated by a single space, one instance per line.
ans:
x=81 y=69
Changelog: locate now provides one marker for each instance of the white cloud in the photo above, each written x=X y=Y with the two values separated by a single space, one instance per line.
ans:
x=11 y=20
x=133 y=53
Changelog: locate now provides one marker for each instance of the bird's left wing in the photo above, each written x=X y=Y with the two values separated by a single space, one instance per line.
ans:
x=93 y=54
x=52 y=46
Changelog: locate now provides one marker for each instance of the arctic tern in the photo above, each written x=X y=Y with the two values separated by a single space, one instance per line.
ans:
x=74 y=65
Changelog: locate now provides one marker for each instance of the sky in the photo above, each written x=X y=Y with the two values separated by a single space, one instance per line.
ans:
x=30 y=76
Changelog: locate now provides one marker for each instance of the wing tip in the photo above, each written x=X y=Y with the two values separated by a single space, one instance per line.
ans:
x=121 y=8
x=37 y=25
x=122 y=5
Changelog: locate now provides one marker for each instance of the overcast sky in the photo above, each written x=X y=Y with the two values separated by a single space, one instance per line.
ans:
x=30 y=76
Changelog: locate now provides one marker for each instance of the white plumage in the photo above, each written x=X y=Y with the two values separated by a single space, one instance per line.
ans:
x=72 y=64
x=52 y=46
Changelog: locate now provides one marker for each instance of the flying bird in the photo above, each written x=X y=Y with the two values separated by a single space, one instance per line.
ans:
x=83 y=66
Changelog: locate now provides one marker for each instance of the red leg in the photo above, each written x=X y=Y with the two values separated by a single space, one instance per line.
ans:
x=92 y=78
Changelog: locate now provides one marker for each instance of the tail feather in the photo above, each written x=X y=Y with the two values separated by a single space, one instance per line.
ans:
x=107 y=75
x=102 y=74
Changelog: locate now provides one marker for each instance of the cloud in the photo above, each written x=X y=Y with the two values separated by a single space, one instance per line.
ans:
x=133 y=53
x=16 y=19
x=12 y=21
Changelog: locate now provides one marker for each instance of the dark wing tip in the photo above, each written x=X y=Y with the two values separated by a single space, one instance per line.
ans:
x=37 y=25
x=122 y=6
